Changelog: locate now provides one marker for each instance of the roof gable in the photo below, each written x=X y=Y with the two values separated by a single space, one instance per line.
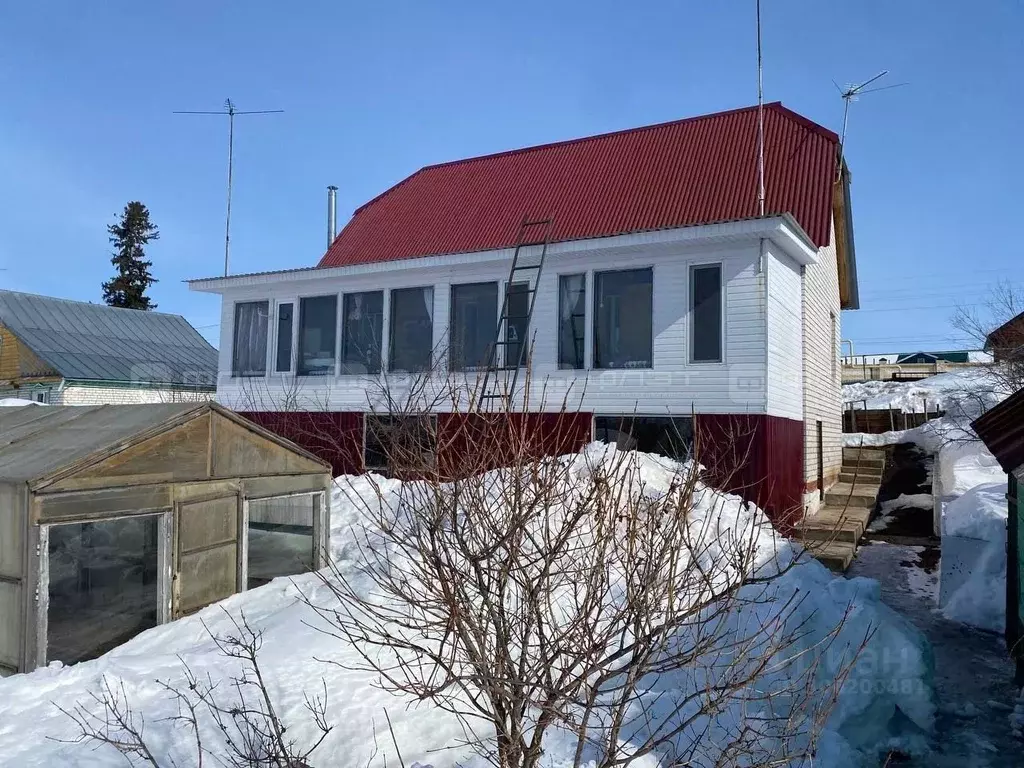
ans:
x=696 y=171
x=94 y=342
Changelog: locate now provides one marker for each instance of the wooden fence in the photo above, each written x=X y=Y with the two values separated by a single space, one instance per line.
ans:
x=857 y=417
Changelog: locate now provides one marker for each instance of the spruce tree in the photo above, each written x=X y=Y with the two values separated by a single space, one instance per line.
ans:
x=129 y=238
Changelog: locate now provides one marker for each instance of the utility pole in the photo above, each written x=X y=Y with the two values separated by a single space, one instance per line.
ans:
x=231 y=112
x=760 y=120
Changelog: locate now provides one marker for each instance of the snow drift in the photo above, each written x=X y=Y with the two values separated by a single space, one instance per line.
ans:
x=886 y=699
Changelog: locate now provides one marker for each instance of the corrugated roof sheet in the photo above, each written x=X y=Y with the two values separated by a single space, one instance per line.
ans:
x=95 y=342
x=1002 y=429
x=37 y=441
x=700 y=170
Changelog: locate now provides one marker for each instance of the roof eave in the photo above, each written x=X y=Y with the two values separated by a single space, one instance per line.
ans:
x=783 y=230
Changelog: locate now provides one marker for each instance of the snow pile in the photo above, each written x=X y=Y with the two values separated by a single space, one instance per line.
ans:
x=15 y=402
x=944 y=391
x=886 y=702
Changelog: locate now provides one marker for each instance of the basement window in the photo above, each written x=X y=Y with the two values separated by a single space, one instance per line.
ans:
x=249 y=348
x=362 y=332
x=101 y=585
x=706 y=313
x=474 y=324
x=623 y=323
x=397 y=443
x=318 y=322
x=412 y=329
x=664 y=435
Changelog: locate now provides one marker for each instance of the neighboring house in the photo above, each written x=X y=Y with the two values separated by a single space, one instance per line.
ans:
x=1002 y=430
x=1007 y=341
x=65 y=352
x=663 y=295
x=920 y=358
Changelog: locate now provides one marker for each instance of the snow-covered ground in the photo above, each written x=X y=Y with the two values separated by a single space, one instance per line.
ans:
x=887 y=700
x=969 y=486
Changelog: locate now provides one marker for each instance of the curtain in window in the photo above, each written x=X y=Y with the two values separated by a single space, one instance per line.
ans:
x=412 y=329
x=362 y=332
x=249 y=353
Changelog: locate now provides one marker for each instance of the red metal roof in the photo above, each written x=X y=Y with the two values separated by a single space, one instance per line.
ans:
x=695 y=171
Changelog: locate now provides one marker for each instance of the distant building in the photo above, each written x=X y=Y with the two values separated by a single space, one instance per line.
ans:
x=65 y=352
x=1007 y=341
x=906 y=358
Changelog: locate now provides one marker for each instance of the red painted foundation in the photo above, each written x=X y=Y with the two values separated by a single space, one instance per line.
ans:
x=758 y=457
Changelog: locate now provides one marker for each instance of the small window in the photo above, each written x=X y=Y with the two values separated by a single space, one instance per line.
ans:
x=517 y=324
x=572 y=308
x=412 y=329
x=706 y=313
x=318 y=322
x=280 y=538
x=362 y=332
x=397 y=443
x=284 y=337
x=249 y=350
x=474 y=324
x=663 y=435
x=623 y=324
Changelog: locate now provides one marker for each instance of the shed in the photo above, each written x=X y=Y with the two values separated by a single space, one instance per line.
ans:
x=114 y=519
x=1002 y=430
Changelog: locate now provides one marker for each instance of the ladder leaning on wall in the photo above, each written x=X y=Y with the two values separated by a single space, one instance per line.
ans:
x=532 y=233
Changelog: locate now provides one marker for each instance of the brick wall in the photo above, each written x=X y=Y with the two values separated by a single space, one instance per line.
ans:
x=81 y=395
x=822 y=372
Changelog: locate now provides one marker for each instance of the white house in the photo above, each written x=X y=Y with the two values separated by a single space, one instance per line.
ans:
x=662 y=291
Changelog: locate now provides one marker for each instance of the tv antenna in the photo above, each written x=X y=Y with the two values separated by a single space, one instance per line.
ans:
x=231 y=112
x=760 y=119
x=851 y=93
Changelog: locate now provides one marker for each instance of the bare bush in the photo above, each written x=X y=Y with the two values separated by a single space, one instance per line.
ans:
x=987 y=326
x=234 y=721
x=565 y=594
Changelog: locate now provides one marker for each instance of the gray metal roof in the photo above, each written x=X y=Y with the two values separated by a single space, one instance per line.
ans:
x=37 y=441
x=94 y=342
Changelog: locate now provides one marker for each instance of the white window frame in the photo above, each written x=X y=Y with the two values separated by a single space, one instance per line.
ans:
x=297 y=331
x=588 y=319
x=592 y=310
x=438 y=359
x=271 y=333
x=295 y=337
x=385 y=305
x=692 y=326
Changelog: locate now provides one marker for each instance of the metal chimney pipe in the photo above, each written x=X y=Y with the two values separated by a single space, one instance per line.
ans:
x=332 y=214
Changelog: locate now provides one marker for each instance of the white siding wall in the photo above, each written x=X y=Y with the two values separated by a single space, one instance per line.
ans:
x=822 y=372
x=83 y=395
x=674 y=385
x=785 y=346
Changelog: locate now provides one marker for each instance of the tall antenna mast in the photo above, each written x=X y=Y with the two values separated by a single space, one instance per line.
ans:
x=760 y=120
x=850 y=94
x=231 y=112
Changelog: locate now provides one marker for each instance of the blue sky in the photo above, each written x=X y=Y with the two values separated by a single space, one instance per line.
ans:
x=373 y=91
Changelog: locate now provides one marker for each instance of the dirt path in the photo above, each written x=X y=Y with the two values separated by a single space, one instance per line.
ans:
x=973 y=672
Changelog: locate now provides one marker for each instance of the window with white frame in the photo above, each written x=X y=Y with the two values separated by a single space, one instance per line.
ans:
x=283 y=356
x=318 y=323
x=249 y=348
x=474 y=323
x=517 y=324
x=412 y=329
x=362 y=332
x=706 y=313
x=572 y=309
x=623 y=320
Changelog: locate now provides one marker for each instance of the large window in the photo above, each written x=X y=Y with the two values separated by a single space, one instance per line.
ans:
x=361 y=332
x=572 y=296
x=249 y=350
x=285 y=314
x=280 y=537
x=474 y=323
x=102 y=585
x=706 y=313
x=623 y=328
x=412 y=329
x=318 y=322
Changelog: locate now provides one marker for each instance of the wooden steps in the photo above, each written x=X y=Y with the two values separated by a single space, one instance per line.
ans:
x=832 y=534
